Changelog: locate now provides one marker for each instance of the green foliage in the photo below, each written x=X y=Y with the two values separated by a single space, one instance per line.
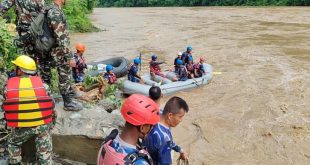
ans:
x=8 y=50
x=77 y=13
x=54 y=81
x=146 y=3
x=110 y=92
x=90 y=80
x=110 y=95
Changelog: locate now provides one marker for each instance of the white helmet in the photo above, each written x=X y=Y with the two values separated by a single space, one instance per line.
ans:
x=179 y=53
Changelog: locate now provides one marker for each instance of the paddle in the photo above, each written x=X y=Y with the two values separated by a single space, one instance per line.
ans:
x=217 y=73
x=140 y=57
x=182 y=162
x=140 y=60
x=195 y=81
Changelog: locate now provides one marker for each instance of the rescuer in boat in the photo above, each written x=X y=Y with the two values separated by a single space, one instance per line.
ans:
x=155 y=68
x=133 y=72
x=109 y=75
x=199 y=70
x=187 y=54
x=190 y=68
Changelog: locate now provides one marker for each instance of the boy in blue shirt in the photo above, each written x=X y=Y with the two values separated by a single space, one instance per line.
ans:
x=159 y=142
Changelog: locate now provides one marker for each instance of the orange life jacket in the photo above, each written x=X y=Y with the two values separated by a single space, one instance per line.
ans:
x=27 y=103
x=190 y=67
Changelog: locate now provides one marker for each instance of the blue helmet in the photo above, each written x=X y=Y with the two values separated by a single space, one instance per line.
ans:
x=154 y=57
x=190 y=58
x=109 y=67
x=137 y=61
x=189 y=48
x=179 y=62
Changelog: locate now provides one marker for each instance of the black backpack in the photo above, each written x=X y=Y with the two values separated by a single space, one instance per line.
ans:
x=42 y=34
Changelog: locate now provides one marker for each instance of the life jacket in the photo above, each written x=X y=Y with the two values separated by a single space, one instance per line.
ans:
x=190 y=68
x=27 y=103
x=111 y=78
x=175 y=61
x=108 y=156
x=154 y=67
x=182 y=71
x=80 y=64
x=196 y=66
x=200 y=69
x=185 y=56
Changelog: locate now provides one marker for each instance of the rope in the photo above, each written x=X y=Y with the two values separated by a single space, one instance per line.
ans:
x=182 y=162
x=183 y=85
x=8 y=133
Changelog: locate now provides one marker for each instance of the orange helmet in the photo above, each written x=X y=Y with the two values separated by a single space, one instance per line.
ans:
x=80 y=47
x=140 y=110
x=202 y=59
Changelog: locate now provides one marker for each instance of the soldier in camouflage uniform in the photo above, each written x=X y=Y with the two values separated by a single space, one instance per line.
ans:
x=61 y=54
x=21 y=134
x=26 y=10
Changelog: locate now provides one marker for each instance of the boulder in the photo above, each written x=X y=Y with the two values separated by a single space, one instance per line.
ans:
x=77 y=135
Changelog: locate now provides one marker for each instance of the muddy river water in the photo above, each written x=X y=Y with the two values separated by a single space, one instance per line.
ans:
x=258 y=110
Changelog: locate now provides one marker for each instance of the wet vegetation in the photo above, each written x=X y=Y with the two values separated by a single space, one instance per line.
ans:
x=77 y=13
x=8 y=51
x=157 y=3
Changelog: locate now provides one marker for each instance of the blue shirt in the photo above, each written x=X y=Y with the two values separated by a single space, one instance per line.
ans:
x=159 y=144
x=185 y=56
x=121 y=146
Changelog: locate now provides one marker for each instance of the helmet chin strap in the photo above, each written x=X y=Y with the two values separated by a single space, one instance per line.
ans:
x=143 y=134
x=16 y=70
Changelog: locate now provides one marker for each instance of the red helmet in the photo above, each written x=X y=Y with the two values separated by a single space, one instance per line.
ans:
x=139 y=110
x=202 y=59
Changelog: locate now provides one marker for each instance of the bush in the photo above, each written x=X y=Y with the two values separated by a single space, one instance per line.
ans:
x=8 y=50
x=77 y=12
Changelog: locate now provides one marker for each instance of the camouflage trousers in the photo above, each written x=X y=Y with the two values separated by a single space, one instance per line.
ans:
x=24 y=43
x=3 y=139
x=3 y=130
x=64 y=72
x=43 y=142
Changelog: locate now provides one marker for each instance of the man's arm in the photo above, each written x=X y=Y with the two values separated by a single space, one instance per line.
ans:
x=160 y=62
x=135 y=73
x=137 y=76
x=40 y=4
x=175 y=147
x=178 y=149
x=59 y=27
x=5 y=6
